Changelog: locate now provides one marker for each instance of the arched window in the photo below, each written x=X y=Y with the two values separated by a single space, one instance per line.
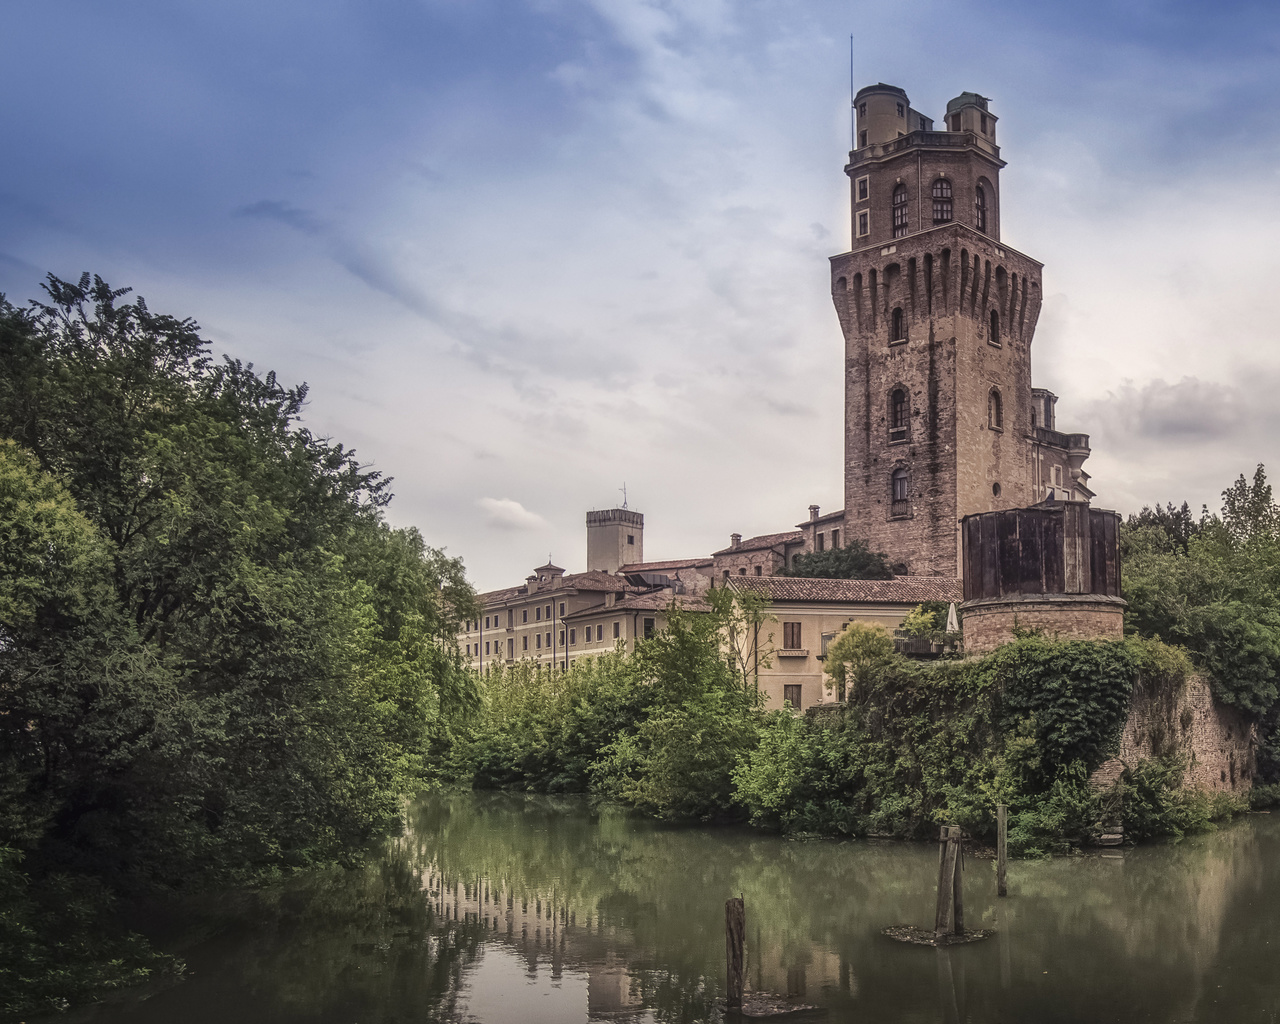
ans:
x=898 y=484
x=980 y=208
x=899 y=211
x=898 y=325
x=899 y=414
x=941 y=201
x=994 y=336
x=995 y=410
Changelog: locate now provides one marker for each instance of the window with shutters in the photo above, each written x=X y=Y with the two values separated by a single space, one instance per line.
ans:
x=980 y=208
x=897 y=325
x=791 y=695
x=650 y=626
x=791 y=636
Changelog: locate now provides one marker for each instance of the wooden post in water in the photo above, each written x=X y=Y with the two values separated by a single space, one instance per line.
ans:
x=957 y=900
x=1002 y=849
x=946 y=882
x=735 y=929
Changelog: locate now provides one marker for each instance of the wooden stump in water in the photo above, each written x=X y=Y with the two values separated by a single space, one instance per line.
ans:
x=1002 y=849
x=735 y=929
x=948 y=884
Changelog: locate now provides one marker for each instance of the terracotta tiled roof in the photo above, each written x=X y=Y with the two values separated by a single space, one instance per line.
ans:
x=592 y=580
x=766 y=540
x=653 y=601
x=671 y=563
x=828 y=518
x=899 y=590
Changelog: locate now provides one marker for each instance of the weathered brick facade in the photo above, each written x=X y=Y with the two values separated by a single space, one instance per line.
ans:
x=938 y=317
x=1065 y=617
x=1219 y=743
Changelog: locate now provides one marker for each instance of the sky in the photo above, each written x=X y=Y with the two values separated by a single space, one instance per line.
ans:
x=526 y=252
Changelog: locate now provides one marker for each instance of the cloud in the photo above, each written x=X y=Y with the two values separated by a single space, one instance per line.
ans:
x=1188 y=411
x=284 y=213
x=508 y=514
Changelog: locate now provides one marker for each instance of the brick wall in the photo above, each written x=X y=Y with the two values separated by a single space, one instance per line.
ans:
x=1219 y=743
x=987 y=626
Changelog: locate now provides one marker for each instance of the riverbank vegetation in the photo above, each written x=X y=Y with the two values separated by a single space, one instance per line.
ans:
x=1211 y=583
x=217 y=660
x=674 y=731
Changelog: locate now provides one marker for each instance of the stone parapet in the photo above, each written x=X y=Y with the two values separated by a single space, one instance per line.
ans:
x=991 y=622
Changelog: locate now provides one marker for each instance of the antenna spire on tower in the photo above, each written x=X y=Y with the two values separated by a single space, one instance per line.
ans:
x=623 y=489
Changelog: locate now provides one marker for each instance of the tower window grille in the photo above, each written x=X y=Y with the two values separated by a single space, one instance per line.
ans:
x=899 y=211
x=941 y=201
x=980 y=208
x=995 y=410
x=898 y=325
x=899 y=415
x=899 y=483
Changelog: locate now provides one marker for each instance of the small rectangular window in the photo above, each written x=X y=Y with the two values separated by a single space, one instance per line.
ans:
x=511 y=618
x=537 y=641
x=537 y=614
x=631 y=539
x=901 y=112
x=820 y=543
x=468 y=650
x=511 y=648
x=600 y=632
x=759 y=570
x=548 y=639
x=862 y=140
x=835 y=539
x=573 y=637
x=562 y=609
x=984 y=124
x=524 y=614
x=791 y=695
x=864 y=189
x=864 y=223
x=617 y=630
x=548 y=611
x=649 y=626
x=486 y=647
x=524 y=642
x=924 y=123
x=862 y=110
x=791 y=636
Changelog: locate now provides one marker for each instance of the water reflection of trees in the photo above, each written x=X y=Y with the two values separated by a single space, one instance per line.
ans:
x=638 y=908
x=1133 y=935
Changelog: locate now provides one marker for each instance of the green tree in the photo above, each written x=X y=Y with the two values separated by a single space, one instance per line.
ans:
x=215 y=656
x=854 y=561
x=857 y=658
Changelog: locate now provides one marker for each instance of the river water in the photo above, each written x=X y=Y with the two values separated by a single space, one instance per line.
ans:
x=497 y=908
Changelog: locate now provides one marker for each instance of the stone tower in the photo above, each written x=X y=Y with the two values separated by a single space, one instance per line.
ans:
x=938 y=316
x=615 y=537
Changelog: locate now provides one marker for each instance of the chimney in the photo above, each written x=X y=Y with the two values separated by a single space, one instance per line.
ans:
x=735 y=541
x=813 y=513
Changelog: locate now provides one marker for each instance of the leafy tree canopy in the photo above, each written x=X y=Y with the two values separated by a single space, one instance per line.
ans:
x=854 y=561
x=215 y=655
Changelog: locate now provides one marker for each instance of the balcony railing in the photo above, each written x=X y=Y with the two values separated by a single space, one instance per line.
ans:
x=1067 y=442
x=949 y=140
